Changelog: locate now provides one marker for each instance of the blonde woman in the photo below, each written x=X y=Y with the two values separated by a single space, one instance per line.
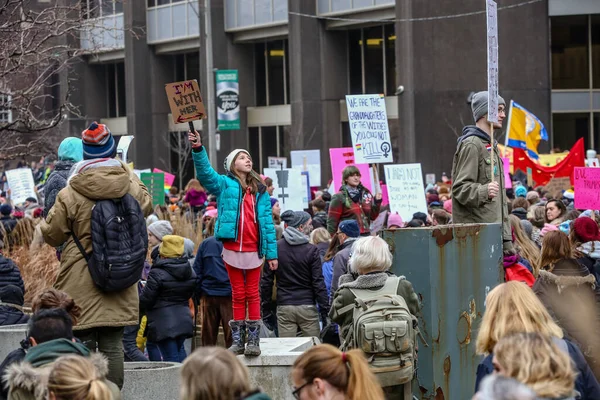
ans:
x=511 y=308
x=77 y=378
x=525 y=247
x=213 y=373
x=537 y=361
x=324 y=372
x=320 y=237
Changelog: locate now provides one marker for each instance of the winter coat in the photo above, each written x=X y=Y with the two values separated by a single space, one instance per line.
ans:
x=571 y=287
x=520 y=213
x=57 y=181
x=319 y=220
x=585 y=383
x=14 y=357
x=29 y=380
x=10 y=274
x=11 y=314
x=299 y=275
x=373 y=281
x=211 y=276
x=342 y=208
x=517 y=268
x=72 y=212
x=229 y=198
x=196 y=198
x=165 y=298
x=471 y=172
x=340 y=263
x=8 y=223
x=322 y=247
x=589 y=259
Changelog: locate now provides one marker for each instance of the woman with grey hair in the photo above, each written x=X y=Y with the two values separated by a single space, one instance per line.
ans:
x=497 y=387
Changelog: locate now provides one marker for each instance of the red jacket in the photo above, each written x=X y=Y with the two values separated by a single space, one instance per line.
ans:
x=248 y=226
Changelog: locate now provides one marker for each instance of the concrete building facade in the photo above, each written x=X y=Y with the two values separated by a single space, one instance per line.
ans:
x=297 y=59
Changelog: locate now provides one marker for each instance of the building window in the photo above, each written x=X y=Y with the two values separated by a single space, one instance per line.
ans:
x=265 y=142
x=5 y=110
x=272 y=73
x=570 y=46
x=596 y=51
x=101 y=8
x=570 y=128
x=115 y=86
x=372 y=60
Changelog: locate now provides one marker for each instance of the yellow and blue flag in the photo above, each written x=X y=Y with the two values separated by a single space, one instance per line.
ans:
x=525 y=130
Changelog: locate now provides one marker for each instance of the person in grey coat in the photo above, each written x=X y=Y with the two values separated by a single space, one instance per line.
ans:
x=348 y=232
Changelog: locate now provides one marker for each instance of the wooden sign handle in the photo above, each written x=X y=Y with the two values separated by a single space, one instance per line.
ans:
x=492 y=154
x=376 y=179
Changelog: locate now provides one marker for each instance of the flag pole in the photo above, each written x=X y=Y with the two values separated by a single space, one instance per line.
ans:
x=508 y=128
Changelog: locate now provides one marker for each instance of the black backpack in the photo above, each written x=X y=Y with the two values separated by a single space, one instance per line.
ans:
x=119 y=243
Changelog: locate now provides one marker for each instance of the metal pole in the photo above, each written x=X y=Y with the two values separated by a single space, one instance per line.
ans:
x=210 y=87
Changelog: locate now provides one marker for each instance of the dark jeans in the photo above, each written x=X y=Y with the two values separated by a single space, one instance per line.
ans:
x=172 y=349
x=108 y=341
x=216 y=310
x=132 y=352
x=153 y=351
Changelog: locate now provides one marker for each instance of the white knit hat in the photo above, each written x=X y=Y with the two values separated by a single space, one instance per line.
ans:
x=229 y=159
x=160 y=229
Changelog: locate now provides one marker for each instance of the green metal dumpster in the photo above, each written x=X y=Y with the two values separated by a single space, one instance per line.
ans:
x=452 y=269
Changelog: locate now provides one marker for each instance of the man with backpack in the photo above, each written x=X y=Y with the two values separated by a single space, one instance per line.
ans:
x=99 y=217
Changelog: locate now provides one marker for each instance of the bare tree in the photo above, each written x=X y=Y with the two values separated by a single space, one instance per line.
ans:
x=39 y=43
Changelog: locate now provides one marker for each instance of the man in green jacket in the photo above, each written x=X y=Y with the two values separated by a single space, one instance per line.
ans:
x=476 y=197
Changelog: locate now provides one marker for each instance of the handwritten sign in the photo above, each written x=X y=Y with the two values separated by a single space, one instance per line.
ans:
x=587 y=188
x=557 y=185
x=309 y=160
x=369 y=129
x=290 y=187
x=185 y=101
x=342 y=158
x=20 y=182
x=492 y=59
x=405 y=189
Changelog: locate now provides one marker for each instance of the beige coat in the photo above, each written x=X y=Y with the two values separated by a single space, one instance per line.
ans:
x=72 y=213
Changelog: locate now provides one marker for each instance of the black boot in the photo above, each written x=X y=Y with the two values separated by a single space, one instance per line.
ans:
x=253 y=347
x=238 y=335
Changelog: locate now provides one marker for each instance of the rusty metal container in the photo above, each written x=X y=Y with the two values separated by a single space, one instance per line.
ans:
x=452 y=268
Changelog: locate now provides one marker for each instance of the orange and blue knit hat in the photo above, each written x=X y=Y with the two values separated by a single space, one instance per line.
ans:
x=98 y=142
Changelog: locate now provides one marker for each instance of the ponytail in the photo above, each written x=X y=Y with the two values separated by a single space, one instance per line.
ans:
x=76 y=378
x=98 y=390
x=348 y=372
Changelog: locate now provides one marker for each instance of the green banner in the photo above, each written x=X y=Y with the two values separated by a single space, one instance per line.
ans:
x=228 y=99
x=155 y=182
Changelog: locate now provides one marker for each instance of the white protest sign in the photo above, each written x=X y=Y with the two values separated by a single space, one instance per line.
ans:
x=312 y=160
x=405 y=189
x=123 y=147
x=277 y=162
x=289 y=187
x=369 y=129
x=430 y=179
x=305 y=189
x=492 y=59
x=20 y=182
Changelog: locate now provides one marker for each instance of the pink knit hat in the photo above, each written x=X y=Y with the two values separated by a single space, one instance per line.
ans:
x=448 y=206
x=395 y=220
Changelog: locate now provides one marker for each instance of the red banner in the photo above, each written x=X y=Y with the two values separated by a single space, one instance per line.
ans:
x=541 y=175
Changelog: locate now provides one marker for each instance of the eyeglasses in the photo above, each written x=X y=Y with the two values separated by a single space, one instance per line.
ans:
x=297 y=391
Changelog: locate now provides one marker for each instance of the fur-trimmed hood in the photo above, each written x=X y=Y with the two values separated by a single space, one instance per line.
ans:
x=374 y=280
x=25 y=377
x=564 y=281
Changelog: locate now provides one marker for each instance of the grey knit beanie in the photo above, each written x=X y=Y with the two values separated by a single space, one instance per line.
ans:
x=527 y=227
x=160 y=229
x=479 y=104
x=295 y=218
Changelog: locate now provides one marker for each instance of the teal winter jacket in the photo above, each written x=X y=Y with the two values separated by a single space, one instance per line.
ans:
x=229 y=198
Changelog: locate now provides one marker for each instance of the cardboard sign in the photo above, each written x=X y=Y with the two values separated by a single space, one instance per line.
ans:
x=277 y=162
x=290 y=187
x=587 y=188
x=492 y=59
x=430 y=179
x=507 y=180
x=155 y=182
x=342 y=158
x=185 y=101
x=557 y=185
x=311 y=160
x=20 y=182
x=369 y=128
x=406 y=190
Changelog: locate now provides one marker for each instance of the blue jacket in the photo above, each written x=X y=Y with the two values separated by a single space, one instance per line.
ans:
x=229 y=197
x=211 y=275
x=585 y=383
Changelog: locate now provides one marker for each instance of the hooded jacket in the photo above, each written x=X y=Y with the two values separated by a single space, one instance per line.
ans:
x=340 y=263
x=11 y=314
x=343 y=208
x=56 y=182
x=165 y=299
x=229 y=201
x=319 y=220
x=211 y=275
x=10 y=274
x=72 y=212
x=29 y=380
x=299 y=276
x=471 y=174
x=589 y=259
x=196 y=198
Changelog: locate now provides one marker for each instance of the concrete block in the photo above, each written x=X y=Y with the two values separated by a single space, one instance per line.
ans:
x=151 y=380
x=10 y=338
x=271 y=371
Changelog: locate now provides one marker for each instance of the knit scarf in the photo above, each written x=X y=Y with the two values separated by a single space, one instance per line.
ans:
x=353 y=192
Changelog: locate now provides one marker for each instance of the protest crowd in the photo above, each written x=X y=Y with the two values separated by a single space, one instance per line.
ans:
x=102 y=276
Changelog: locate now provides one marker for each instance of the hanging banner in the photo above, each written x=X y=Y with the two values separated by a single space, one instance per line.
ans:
x=587 y=188
x=185 y=101
x=492 y=59
x=290 y=187
x=228 y=99
x=155 y=183
x=406 y=190
x=310 y=161
x=20 y=182
x=369 y=128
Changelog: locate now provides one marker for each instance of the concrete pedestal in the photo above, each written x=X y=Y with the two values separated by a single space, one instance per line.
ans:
x=151 y=380
x=10 y=338
x=271 y=371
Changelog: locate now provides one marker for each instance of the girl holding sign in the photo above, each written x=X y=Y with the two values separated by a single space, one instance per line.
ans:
x=245 y=226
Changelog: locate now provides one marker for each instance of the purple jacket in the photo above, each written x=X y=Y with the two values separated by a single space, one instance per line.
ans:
x=195 y=198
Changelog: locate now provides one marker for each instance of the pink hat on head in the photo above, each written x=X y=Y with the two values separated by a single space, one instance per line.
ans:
x=448 y=206
x=394 y=220
x=211 y=213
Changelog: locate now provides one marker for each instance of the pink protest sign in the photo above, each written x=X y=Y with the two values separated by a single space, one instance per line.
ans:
x=342 y=158
x=169 y=178
x=587 y=188
x=507 y=180
x=384 y=195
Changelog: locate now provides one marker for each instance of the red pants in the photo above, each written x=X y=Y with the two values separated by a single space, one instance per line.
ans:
x=244 y=288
